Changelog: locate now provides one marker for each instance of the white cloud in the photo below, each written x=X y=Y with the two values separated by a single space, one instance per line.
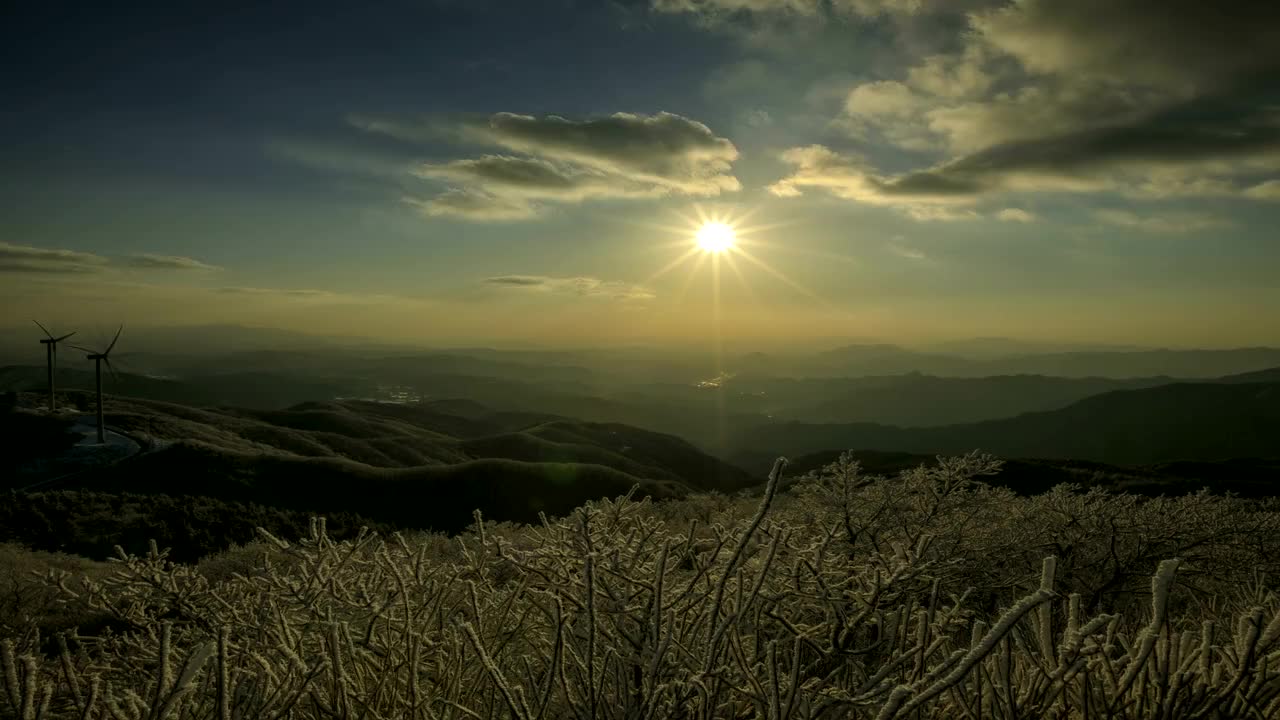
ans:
x=898 y=247
x=1015 y=215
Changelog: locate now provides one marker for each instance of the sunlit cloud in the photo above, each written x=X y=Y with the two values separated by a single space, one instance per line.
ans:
x=557 y=160
x=475 y=205
x=1269 y=190
x=899 y=247
x=1016 y=215
x=663 y=149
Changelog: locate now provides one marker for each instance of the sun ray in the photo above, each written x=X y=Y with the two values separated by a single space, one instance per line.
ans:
x=779 y=275
x=742 y=279
x=715 y=313
x=806 y=251
x=671 y=265
x=688 y=281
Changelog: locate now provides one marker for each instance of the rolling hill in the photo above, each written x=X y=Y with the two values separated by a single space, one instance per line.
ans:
x=419 y=465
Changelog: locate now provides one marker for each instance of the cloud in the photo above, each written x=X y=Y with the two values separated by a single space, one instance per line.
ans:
x=475 y=205
x=1015 y=215
x=1181 y=45
x=552 y=159
x=665 y=150
x=898 y=247
x=338 y=157
x=938 y=213
x=1269 y=190
x=518 y=280
x=28 y=259
x=852 y=177
x=36 y=260
x=712 y=9
x=532 y=178
x=149 y=261
x=579 y=286
x=279 y=292
x=1088 y=96
x=1170 y=223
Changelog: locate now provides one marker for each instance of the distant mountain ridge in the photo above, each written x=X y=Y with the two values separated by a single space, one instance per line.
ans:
x=1175 y=422
x=883 y=359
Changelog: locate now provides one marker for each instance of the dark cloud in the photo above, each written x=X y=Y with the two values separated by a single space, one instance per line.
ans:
x=815 y=8
x=1181 y=44
x=166 y=262
x=1198 y=132
x=28 y=259
x=1148 y=100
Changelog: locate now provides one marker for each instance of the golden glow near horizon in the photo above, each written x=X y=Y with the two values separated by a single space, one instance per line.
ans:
x=715 y=237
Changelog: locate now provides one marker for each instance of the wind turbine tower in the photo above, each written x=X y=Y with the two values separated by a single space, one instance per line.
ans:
x=50 y=344
x=98 y=359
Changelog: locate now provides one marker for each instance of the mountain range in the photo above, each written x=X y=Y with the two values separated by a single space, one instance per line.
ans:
x=1176 y=421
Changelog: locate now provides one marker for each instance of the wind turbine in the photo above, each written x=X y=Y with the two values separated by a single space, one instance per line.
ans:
x=98 y=358
x=50 y=344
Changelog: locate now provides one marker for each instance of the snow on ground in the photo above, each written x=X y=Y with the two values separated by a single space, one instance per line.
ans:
x=86 y=454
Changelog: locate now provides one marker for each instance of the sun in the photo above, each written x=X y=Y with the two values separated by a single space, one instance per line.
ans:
x=715 y=237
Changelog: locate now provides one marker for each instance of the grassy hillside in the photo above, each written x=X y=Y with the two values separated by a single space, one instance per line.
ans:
x=438 y=497
x=926 y=595
x=412 y=465
x=1027 y=476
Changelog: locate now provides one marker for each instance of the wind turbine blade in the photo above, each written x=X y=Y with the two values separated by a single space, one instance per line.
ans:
x=64 y=337
x=45 y=329
x=85 y=349
x=113 y=341
x=115 y=377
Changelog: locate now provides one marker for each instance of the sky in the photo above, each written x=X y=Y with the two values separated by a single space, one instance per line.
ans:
x=483 y=171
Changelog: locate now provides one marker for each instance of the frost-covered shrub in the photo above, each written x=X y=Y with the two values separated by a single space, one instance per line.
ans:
x=851 y=597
